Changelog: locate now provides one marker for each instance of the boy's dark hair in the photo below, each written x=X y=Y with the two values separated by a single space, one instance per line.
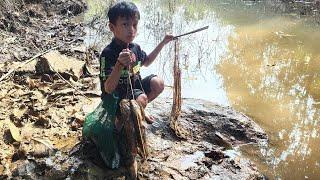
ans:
x=123 y=9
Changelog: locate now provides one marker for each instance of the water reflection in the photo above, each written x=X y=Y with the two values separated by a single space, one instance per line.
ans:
x=270 y=73
x=199 y=52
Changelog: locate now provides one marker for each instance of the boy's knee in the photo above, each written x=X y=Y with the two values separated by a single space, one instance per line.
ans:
x=143 y=100
x=161 y=85
x=157 y=85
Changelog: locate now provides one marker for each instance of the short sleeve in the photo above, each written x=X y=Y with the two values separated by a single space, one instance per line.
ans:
x=142 y=56
x=107 y=61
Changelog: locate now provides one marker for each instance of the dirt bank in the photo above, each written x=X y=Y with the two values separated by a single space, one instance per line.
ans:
x=308 y=8
x=30 y=27
x=210 y=152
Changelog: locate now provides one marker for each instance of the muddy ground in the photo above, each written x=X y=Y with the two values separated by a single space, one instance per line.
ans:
x=32 y=27
x=43 y=105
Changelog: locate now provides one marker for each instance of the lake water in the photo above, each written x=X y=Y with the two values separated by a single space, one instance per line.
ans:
x=262 y=63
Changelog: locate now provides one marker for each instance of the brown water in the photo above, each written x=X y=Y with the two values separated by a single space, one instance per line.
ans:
x=259 y=62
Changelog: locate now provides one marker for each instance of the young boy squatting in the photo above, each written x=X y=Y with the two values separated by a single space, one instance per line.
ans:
x=121 y=54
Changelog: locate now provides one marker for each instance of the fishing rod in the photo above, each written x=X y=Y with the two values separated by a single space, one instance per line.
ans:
x=191 y=32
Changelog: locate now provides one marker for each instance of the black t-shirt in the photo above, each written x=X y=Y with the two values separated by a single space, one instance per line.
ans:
x=108 y=59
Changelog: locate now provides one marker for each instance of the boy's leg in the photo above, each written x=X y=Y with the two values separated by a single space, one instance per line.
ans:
x=143 y=100
x=153 y=86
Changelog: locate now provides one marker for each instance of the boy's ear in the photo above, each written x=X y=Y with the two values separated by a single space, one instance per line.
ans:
x=111 y=27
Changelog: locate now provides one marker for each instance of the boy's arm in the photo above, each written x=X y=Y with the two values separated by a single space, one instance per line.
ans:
x=152 y=56
x=123 y=60
x=111 y=83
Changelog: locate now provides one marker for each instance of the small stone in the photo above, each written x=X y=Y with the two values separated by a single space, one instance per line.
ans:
x=40 y=150
x=1 y=169
x=46 y=78
x=43 y=122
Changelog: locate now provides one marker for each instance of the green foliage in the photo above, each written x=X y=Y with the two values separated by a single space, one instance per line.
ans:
x=193 y=10
x=97 y=8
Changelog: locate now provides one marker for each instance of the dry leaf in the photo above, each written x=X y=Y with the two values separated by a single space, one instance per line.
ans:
x=3 y=93
x=45 y=142
x=31 y=83
x=38 y=95
x=15 y=132
x=1 y=169
x=66 y=144
x=18 y=113
x=27 y=131
x=71 y=110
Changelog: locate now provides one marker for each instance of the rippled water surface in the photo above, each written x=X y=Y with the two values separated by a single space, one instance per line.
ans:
x=260 y=62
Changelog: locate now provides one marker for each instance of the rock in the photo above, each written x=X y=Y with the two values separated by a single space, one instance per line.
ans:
x=46 y=78
x=222 y=141
x=215 y=155
x=176 y=175
x=207 y=122
x=186 y=162
x=55 y=62
x=25 y=169
x=198 y=157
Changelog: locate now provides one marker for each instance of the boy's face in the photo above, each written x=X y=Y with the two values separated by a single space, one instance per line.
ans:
x=125 y=29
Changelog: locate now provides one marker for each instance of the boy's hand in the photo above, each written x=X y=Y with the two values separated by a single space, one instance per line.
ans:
x=126 y=57
x=167 y=38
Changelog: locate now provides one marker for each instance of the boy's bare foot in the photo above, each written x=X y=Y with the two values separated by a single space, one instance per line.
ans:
x=149 y=118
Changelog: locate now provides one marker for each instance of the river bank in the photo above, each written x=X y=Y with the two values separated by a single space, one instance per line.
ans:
x=302 y=8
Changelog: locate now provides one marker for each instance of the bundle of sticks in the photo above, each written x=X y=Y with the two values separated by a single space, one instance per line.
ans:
x=176 y=106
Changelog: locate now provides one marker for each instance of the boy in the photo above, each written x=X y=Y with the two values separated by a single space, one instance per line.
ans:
x=122 y=59
x=121 y=54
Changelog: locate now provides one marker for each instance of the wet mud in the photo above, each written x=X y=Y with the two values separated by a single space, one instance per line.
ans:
x=29 y=28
